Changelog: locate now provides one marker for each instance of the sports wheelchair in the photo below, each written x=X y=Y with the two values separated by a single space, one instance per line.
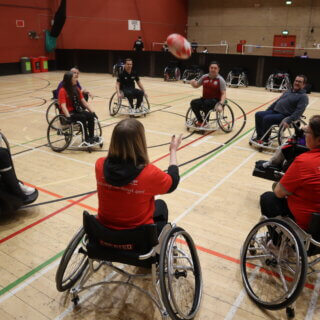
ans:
x=214 y=119
x=237 y=77
x=192 y=73
x=118 y=68
x=121 y=105
x=278 y=135
x=172 y=72
x=171 y=257
x=62 y=134
x=278 y=81
x=276 y=258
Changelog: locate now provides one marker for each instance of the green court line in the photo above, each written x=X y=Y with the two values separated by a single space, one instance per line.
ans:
x=46 y=263
x=30 y=273
x=152 y=104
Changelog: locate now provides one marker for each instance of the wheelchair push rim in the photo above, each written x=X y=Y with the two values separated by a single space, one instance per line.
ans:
x=225 y=118
x=273 y=275
x=52 y=111
x=115 y=105
x=59 y=133
x=73 y=263
x=4 y=143
x=180 y=275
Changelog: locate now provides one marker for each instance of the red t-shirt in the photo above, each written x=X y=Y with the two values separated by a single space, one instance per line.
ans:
x=212 y=87
x=132 y=205
x=302 y=179
x=64 y=98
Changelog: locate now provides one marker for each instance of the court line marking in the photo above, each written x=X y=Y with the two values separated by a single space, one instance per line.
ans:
x=242 y=294
x=186 y=212
x=313 y=300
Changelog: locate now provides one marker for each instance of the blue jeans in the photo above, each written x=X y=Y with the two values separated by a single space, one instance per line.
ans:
x=265 y=119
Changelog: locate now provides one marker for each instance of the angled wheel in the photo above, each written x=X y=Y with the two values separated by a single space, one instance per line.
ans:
x=114 y=105
x=166 y=75
x=177 y=73
x=145 y=103
x=73 y=263
x=225 y=118
x=52 y=111
x=190 y=118
x=285 y=133
x=4 y=143
x=180 y=275
x=273 y=264
x=59 y=133
x=97 y=128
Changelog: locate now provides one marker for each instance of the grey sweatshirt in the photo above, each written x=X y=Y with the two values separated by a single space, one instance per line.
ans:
x=291 y=104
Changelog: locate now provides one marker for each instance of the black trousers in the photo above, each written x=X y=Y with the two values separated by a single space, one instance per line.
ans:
x=160 y=215
x=202 y=104
x=87 y=119
x=133 y=93
x=272 y=206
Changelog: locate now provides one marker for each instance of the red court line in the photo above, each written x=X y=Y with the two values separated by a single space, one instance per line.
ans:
x=60 y=197
x=43 y=219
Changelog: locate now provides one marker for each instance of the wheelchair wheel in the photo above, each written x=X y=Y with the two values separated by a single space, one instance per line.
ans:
x=114 y=105
x=180 y=275
x=59 y=133
x=273 y=264
x=72 y=264
x=97 y=128
x=225 y=118
x=52 y=111
x=190 y=118
x=4 y=143
x=285 y=133
x=177 y=74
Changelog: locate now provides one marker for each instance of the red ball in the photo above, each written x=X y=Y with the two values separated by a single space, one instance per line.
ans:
x=179 y=46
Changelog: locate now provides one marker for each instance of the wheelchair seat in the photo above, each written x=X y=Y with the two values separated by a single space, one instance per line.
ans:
x=125 y=246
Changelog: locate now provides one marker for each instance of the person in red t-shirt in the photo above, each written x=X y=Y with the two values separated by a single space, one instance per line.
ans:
x=214 y=91
x=297 y=194
x=73 y=105
x=127 y=182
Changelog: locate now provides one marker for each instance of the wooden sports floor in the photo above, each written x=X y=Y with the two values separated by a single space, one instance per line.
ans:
x=216 y=201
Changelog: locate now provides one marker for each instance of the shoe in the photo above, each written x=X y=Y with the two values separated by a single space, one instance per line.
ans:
x=199 y=124
x=26 y=190
x=261 y=164
x=263 y=143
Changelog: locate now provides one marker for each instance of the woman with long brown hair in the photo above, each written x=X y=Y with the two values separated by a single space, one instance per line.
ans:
x=73 y=105
x=127 y=182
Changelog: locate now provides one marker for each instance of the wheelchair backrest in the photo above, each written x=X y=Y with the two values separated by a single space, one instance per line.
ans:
x=314 y=226
x=142 y=238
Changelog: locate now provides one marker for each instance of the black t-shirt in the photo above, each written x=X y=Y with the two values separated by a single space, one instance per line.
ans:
x=127 y=79
x=138 y=45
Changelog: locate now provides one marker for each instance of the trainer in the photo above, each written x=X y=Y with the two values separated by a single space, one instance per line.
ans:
x=289 y=107
x=214 y=91
x=126 y=83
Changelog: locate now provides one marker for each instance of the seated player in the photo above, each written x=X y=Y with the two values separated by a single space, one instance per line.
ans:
x=127 y=182
x=214 y=91
x=289 y=107
x=73 y=105
x=85 y=92
x=125 y=83
x=298 y=192
x=13 y=193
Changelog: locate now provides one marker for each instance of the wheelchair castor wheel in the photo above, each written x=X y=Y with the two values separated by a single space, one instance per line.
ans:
x=290 y=313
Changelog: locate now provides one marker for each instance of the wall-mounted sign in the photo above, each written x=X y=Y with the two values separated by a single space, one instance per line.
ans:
x=134 y=25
